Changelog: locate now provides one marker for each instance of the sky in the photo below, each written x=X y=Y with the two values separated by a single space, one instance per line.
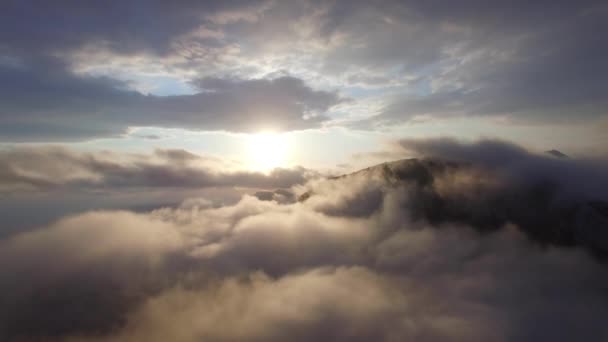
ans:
x=306 y=170
x=338 y=77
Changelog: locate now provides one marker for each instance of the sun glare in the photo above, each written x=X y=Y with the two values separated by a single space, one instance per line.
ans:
x=268 y=150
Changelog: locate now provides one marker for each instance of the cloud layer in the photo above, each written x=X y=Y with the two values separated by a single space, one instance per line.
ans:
x=48 y=168
x=246 y=66
x=400 y=251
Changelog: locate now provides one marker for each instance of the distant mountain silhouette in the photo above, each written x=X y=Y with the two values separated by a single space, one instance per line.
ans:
x=556 y=153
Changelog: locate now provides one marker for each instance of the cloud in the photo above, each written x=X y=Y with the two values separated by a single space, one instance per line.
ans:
x=398 y=251
x=581 y=177
x=53 y=168
x=48 y=102
x=530 y=63
x=88 y=258
x=44 y=183
x=49 y=94
x=123 y=26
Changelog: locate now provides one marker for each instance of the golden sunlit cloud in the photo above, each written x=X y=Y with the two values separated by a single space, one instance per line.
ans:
x=268 y=150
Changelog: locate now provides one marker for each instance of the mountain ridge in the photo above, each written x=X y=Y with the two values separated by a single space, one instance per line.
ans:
x=539 y=207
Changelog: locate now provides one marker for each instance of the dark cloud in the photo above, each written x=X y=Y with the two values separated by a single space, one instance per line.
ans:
x=124 y=26
x=584 y=178
x=414 y=260
x=540 y=62
x=49 y=103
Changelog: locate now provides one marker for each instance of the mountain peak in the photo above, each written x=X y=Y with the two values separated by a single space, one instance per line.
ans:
x=557 y=154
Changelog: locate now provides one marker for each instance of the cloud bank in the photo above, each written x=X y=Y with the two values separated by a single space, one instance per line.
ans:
x=423 y=249
x=48 y=168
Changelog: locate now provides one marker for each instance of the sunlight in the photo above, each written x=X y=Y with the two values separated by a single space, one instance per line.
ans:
x=268 y=150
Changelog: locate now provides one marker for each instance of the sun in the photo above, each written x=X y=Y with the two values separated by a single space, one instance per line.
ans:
x=268 y=150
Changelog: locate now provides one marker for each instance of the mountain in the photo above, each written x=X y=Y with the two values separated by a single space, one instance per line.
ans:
x=556 y=153
x=443 y=192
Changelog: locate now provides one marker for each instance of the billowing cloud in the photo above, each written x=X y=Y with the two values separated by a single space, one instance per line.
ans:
x=423 y=249
x=580 y=177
